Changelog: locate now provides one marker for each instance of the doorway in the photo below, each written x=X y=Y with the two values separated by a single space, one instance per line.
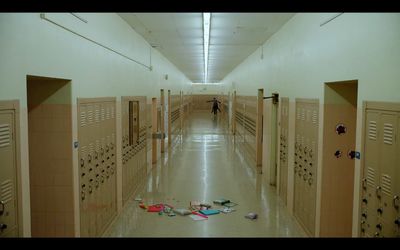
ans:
x=339 y=138
x=50 y=156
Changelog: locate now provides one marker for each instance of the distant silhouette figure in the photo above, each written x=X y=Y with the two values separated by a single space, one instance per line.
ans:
x=215 y=107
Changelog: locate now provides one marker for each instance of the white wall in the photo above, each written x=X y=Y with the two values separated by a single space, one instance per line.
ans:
x=204 y=89
x=303 y=55
x=30 y=45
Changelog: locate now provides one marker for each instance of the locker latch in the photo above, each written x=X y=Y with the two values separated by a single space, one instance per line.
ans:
x=341 y=129
x=351 y=154
x=396 y=202
x=2 y=207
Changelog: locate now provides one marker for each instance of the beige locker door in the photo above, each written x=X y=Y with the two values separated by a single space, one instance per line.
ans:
x=371 y=175
x=8 y=193
x=396 y=183
x=284 y=149
x=388 y=145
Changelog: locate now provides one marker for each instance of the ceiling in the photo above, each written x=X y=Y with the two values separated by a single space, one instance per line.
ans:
x=179 y=37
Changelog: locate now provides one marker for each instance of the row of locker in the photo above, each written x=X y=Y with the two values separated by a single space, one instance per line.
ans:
x=305 y=162
x=96 y=161
x=245 y=116
x=98 y=158
x=380 y=177
x=134 y=151
x=97 y=164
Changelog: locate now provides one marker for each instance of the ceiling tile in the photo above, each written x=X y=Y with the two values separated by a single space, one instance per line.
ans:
x=179 y=37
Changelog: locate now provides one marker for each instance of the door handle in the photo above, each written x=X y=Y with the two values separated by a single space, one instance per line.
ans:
x=2 y=207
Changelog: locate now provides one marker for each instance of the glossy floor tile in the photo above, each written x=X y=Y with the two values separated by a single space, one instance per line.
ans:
x=205 y=166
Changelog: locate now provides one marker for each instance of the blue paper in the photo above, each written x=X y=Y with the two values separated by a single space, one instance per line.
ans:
x=209 y=211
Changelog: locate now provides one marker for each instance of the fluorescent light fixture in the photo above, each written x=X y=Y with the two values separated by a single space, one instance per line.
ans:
x=206 y=42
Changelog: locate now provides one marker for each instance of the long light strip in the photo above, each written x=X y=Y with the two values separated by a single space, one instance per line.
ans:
x=206 y=42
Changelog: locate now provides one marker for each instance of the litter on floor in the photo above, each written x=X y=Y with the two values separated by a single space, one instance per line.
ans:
x=196 y=210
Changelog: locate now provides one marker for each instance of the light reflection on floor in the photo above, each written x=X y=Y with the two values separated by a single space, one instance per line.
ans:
x=203 y=167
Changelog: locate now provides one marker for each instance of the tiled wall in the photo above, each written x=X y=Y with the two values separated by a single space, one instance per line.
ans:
x=50 y=165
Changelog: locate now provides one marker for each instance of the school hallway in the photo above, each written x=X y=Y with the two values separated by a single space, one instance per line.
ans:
x=106 y=127
x=205 y=166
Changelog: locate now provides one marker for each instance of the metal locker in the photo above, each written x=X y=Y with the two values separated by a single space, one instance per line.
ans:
x=371 y=175
x=396 y=182
x=8 y=187
x=306 y=138
x=389 y=150
x=284 y=148
x=96 y=135
x=380 y=189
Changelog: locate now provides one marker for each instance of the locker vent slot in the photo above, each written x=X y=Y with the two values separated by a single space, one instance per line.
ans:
x=107 y=112
x=90 y=116
x=6 y=191
x=388 y=133
x=315 y=117
x=112 y=112
x=83 y=118
x=102 y=114
x=83 y=151
x=298 y=114
x=386 y=184
x=97 y=115
x=372 y=130
x=91 y=149
x=371 y=177
x=4 y=135
x=302 y=141
x=303 y=114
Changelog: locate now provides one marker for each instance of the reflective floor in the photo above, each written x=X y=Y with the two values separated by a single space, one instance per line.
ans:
x=205 y=166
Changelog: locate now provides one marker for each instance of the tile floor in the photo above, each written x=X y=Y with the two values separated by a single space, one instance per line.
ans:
x=206 y=166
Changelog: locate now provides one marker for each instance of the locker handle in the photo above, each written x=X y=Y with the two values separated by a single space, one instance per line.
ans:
x=378 y=191
x=395 y=201
x=364 y=183
x=2 y=207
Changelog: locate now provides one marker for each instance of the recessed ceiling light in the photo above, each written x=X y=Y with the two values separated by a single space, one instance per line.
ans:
x=206 y=41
